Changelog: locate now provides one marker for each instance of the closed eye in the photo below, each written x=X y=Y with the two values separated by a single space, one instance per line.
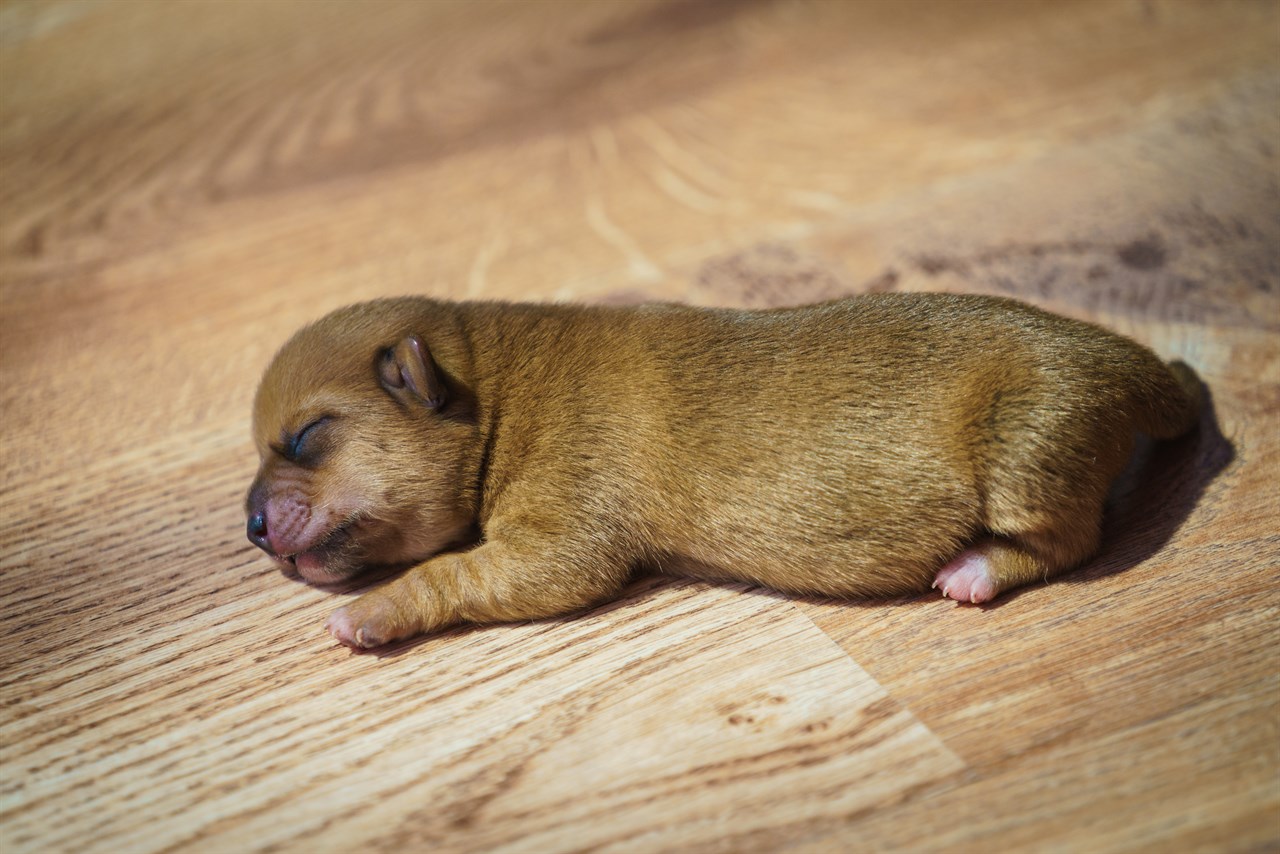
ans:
x=295 y=445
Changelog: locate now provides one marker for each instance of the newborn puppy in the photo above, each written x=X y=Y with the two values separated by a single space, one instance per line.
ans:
x=523 y=459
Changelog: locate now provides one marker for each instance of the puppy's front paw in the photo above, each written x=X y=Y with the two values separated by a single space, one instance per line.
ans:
x=372 y=620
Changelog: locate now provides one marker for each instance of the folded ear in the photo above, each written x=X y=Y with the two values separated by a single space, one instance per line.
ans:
x=409 y=375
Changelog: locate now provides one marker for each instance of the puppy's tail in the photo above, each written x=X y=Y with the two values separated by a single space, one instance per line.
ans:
x=1168 y=401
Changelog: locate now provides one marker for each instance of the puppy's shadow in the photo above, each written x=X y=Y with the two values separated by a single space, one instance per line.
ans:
x=1156 y=493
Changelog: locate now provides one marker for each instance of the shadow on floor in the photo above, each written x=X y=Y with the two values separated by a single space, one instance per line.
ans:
x=1153 y=497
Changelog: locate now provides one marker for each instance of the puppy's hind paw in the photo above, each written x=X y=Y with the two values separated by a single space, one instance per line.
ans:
x=968 y=577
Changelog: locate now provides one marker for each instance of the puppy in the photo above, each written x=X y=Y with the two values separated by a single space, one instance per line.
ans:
x=523 y=459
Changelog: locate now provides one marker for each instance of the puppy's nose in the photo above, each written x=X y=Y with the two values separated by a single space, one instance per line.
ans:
x=258 y=531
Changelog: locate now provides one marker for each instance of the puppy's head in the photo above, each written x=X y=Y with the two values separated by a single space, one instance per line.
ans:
x=366 y=446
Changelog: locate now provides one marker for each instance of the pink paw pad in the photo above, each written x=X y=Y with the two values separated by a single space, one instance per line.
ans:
x=967 y=578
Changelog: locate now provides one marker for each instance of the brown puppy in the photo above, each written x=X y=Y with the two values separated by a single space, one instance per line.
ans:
x=525 y=458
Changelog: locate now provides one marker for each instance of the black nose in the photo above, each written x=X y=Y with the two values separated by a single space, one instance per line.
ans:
x=258 y=531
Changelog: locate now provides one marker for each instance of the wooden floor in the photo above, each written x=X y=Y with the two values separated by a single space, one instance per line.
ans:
x=185 y=183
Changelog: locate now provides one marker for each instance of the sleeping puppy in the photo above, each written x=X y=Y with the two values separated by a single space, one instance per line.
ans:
x=524 y=459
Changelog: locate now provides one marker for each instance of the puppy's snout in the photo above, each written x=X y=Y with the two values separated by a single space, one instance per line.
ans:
x=256 y=508
x=257 y=529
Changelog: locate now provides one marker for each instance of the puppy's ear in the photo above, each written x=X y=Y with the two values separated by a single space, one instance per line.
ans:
x=410 y=376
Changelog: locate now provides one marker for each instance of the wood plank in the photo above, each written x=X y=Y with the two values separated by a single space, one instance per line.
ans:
x=185 y=184
x=1166 y=784
x=675 y=715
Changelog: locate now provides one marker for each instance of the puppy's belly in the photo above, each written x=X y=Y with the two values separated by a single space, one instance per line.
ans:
x=852 y=520
x=829 y=552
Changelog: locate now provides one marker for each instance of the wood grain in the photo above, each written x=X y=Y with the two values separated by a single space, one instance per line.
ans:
x=483 y=744
x=185 y=184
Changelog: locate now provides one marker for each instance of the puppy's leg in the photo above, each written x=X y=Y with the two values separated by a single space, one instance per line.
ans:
x=491 y=583
x=986 y=569
x=1047 y=467
x=1040 y=527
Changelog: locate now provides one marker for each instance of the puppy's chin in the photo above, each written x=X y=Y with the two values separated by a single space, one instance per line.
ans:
x=334 y=560
x=356 y=552
x=319 y=568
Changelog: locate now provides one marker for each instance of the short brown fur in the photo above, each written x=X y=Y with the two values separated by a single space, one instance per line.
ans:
x=843 y=449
